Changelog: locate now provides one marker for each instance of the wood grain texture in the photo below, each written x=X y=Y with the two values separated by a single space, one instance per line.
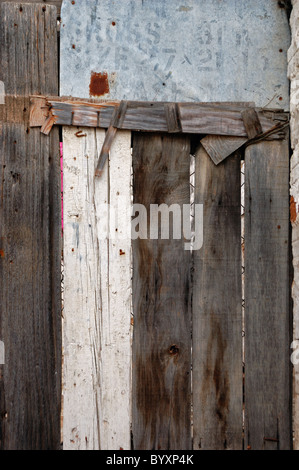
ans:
x=161 y=302
x=97 y=306
x=56 y=3
x=219 y=147
x=30 y=236
x=216 y=305
x=196 y=118
x=267 y=316
x=251 y=122
x=218 y=119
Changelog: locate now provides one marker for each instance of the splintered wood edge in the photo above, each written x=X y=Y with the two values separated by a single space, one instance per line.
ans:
x=244 y=122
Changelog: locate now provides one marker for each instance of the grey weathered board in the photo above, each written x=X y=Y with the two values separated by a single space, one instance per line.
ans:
x=174 y=50
x=56 y=3
x=216 y=305
x=194 y=118
x=30 y=237
x=267 y=317
x=161 y=302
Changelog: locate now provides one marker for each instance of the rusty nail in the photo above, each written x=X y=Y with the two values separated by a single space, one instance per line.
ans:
x=121 y=252
x=80 y=134
x=271 y=439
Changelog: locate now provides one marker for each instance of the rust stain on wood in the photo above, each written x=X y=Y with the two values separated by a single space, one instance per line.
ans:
x=2 y=254
x=293 y=212
x=99 y=84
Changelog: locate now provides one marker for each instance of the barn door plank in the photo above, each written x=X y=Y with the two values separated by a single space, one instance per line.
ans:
x=97 y=293
x=217 y=296
x=161 y=301
x=267 y=318
x=30 y=234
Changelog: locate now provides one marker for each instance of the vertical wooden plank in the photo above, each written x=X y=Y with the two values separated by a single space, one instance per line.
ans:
x=57 y=3
x=267 y=318
x=161 y=302
x=30 y=236
x=217 y=296
x=97 y=306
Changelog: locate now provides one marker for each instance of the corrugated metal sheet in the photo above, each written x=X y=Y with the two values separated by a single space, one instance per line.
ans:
x=176 y=50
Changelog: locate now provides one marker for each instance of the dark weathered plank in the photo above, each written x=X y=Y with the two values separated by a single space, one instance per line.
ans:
x=161 y=302
x=267 y=318
x=217 y=119
x=30 y=237
x=251 y=122
x=220 y=147
x=216 y=306
x=172 y=117
x=56 y=3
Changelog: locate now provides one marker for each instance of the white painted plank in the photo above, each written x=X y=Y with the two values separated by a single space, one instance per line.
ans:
x=97 y=292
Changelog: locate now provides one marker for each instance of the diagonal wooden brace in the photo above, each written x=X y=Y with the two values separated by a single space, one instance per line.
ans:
x=116 y=123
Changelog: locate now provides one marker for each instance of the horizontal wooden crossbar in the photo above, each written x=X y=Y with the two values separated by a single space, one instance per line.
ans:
x=225 y=127
x=196 y=118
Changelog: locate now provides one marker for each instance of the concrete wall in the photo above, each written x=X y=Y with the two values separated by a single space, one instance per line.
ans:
x=293 y=71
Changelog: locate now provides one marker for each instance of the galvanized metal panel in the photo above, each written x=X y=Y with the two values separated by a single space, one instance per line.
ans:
x=176 y=50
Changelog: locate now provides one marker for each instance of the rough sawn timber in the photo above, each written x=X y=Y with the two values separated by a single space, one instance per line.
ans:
x=161 y=301
x=216 y=307
x=30 y=235
x=267 y=294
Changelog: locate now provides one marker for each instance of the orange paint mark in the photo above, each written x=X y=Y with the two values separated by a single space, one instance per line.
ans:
x=293 y=212
x=99 y=84
x=2 y=254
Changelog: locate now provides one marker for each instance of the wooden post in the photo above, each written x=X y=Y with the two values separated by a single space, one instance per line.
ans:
x=30 y=235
